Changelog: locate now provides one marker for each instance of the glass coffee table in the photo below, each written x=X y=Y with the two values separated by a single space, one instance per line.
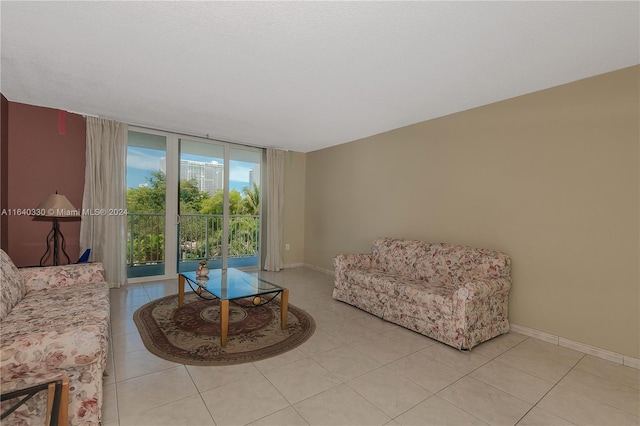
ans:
x=230 y=284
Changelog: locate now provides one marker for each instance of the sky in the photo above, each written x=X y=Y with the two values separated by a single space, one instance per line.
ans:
x=141 y=162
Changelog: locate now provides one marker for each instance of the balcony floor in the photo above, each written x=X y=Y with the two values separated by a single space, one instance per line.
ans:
x=151 y=270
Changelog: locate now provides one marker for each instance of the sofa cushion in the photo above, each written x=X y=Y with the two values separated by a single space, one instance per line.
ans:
x=378 y=281
x=13 y=286
x=59 y=309
x=436 y=265
x=433 y=295
x=396 y=256
x=416 y=259
x=61 y=276
x=438 y=262
x=462 y=263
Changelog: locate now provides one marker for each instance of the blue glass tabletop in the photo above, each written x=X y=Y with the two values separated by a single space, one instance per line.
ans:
x=232 y=283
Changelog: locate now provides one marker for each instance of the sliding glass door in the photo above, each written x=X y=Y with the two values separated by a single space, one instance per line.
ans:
x=244 y=208
x=201 y=201
x=146 y=204
x=191 y=199
x=219 y=206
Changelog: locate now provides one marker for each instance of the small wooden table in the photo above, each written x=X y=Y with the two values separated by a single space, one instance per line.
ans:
x=230 y=284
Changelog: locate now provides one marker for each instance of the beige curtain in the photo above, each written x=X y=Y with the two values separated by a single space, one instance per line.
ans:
x=275 y=203
x=104 y=229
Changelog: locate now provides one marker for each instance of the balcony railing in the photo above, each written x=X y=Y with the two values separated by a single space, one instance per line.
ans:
x=200 y=237
x=145 y=239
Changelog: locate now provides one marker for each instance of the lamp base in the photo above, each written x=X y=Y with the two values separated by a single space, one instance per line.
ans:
x=55 y=235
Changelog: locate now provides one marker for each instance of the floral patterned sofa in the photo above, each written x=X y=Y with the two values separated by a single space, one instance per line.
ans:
x=455 y=294
x=55 y=323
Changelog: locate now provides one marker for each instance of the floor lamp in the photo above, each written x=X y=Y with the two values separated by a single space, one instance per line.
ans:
x=56 y=206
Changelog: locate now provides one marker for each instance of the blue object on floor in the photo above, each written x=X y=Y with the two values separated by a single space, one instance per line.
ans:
x=85 y=256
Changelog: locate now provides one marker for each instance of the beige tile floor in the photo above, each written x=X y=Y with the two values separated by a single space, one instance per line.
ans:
x=359 y=370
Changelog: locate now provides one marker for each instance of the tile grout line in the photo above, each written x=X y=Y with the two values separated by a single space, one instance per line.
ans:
x=599 y=377
x=552 y=388
x=284 y=397
x=475 y=369
x=200 y=394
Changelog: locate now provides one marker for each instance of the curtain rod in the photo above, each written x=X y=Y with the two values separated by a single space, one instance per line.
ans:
x=182 y=133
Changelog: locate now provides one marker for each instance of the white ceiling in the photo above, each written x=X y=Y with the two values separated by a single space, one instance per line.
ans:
x=301 y=75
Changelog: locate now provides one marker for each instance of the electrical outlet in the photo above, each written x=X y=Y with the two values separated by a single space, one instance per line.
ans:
x=287 y=246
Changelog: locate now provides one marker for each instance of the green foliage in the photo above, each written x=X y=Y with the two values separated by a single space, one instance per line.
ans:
x=243 y=236
x=191 y=198
x=148 y=243
x=201 y=222
x=215 y=203
x=150 y=198
x=251 y=201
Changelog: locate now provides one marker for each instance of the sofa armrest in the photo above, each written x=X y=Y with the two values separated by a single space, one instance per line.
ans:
x=62 y=275
x=345 y=262
x=35 y=353
x=352 y=261
x=483 y=287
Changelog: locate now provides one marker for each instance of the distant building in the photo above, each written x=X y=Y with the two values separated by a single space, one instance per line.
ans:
x=209 y=177
x=251 y=178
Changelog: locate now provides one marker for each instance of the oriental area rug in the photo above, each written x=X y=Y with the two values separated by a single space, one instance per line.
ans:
x=191 y=334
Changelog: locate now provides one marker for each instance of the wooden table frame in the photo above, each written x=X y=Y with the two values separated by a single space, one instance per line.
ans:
x=57 y=400
x=224 y=309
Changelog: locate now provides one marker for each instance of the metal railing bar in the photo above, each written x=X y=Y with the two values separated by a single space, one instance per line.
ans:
x=199 y=238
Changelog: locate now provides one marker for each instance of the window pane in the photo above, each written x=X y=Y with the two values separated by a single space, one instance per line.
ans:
x=146 y=204
x=244 y=218
x=201 y=204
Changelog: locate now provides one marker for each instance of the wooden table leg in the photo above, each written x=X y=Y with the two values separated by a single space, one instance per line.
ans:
x=64 y=402
x=224 y=321
x=284 y=308
x=181 y=285
x=50 y=395
x=63 y=408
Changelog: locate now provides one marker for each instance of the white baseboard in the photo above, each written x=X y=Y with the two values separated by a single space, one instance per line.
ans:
x=541 y=335
x=306 y=265
x=632 y=362
x=316 y=268
x=577 y=346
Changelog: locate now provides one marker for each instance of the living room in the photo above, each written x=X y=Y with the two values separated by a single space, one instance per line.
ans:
x=550 y=177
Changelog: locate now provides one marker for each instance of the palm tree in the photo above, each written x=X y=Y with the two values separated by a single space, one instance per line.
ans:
x=252 y=199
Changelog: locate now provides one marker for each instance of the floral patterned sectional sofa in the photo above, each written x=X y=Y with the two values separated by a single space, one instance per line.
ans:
x=455 y=294
x=55 y=323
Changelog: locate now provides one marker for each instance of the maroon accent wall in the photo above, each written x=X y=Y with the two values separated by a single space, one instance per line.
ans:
x=4 y=171
x=41 y=162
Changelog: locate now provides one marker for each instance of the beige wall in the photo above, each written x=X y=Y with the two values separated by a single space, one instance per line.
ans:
x=551 y=178
x=294 y=196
